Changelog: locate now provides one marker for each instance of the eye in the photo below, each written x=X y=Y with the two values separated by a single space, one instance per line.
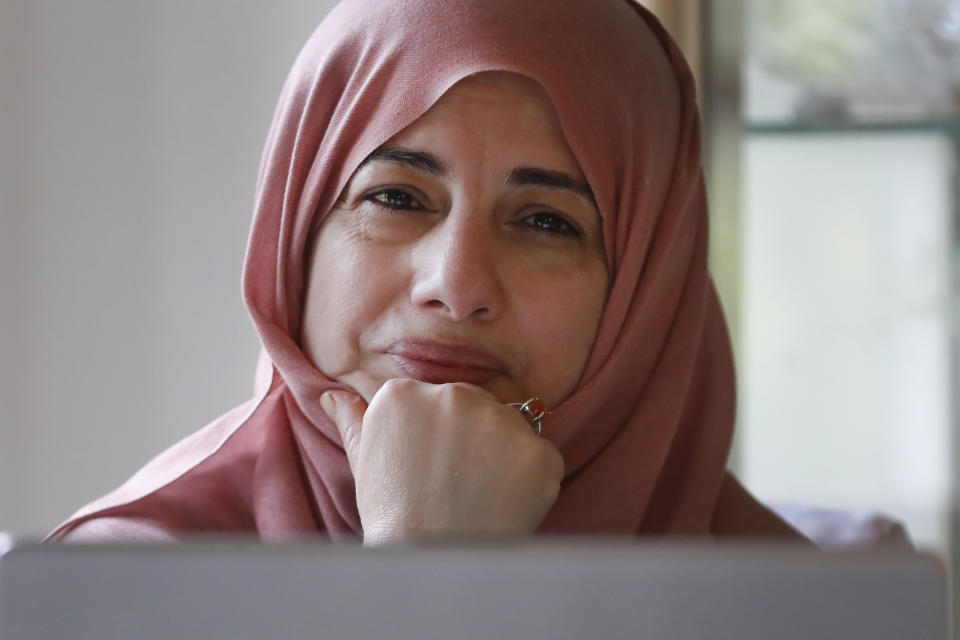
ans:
x=549 y=222
x=393 y=198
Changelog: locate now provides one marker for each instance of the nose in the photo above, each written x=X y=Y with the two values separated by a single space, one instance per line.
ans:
x=457 y=271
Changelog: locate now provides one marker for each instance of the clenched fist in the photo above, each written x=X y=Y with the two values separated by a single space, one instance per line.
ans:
x=440 y=459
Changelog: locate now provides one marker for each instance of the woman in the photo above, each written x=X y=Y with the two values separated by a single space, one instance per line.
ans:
x=463 y=205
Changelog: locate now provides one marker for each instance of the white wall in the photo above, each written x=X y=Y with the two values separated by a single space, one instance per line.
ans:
x=130 y=133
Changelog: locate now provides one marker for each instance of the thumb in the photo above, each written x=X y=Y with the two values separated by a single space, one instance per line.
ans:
x=346 y=410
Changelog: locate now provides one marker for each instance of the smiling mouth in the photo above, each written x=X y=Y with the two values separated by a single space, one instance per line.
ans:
x=440 y=363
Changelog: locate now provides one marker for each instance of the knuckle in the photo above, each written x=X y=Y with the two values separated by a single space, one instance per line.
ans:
x=456 y=396
x=393 y=389
x=553 y=461
x=393 y=385
x=551 y=491
x=456 y=390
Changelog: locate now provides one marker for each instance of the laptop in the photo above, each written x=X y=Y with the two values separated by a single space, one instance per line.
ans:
x=553 y=589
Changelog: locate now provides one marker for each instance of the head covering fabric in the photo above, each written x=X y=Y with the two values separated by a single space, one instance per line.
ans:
x=646 y=434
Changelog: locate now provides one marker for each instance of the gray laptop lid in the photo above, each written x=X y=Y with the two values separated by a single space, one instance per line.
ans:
x=556 y=590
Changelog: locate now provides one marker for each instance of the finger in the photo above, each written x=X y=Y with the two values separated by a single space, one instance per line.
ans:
x=346 y=409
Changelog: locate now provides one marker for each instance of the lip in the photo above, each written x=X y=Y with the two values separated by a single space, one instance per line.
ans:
x=437 y=362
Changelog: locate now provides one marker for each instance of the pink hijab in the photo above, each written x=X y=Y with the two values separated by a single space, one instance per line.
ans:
x=645 y=436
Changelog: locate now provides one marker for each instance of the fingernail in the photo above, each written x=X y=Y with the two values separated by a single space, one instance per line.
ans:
x=329 y=402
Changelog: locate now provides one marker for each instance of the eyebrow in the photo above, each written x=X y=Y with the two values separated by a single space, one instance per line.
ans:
x=530 y=176
x=520 y=177
x=419 y=160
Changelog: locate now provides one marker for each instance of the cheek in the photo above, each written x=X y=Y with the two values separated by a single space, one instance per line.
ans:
x=561 y=330
x=333 y=310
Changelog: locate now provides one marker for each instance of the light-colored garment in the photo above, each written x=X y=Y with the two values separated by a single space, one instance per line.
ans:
x=646 y=434
x=835 y=529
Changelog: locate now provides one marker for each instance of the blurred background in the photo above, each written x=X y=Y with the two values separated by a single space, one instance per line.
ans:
x=131 y=133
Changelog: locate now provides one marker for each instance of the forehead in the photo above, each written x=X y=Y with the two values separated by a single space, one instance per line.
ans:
x=497 y=115
x=498 y=88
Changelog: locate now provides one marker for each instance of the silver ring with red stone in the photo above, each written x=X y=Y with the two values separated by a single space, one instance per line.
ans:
x=533 y=410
